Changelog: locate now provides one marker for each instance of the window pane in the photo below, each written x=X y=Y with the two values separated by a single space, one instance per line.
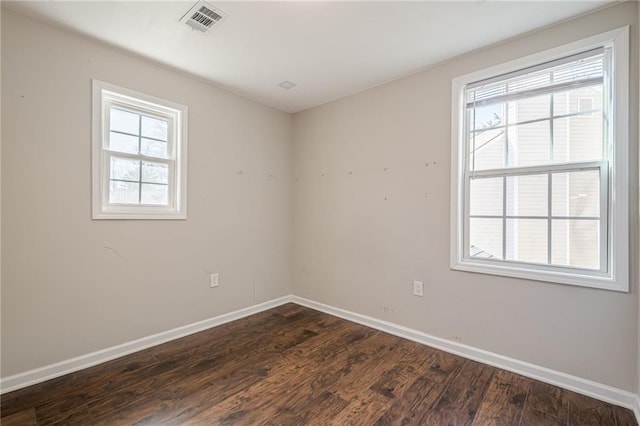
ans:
x=530 y=109
x=155 y=173
x=575 y=243
x=124 y=121
x=578 y=138
x=576 y=193
x=155 y=194
x=485 y=238
x=123 y=192
x=487 y=117
x=124 y=168
x=529 y=144
x=486 y=196
x=487 y=149
x=154 y=128
x=153 y=148
x=573 y=101
x=527 y=195
x=123 y=143
x=527 y=240
x=585 y=105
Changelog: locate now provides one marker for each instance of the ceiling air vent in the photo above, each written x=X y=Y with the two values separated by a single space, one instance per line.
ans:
x=202 y=17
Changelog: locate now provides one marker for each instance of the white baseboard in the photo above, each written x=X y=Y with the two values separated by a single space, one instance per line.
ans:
x=577 y=384
x=38 y=375
x=573 y=383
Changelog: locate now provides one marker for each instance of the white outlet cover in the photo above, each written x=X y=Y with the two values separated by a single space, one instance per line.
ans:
x=214 y=280
x=417 y=288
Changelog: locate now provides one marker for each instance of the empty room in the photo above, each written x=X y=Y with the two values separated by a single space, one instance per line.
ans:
x=319 y=213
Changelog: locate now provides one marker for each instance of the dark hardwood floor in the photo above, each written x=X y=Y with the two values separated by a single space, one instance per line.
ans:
x=295 y=366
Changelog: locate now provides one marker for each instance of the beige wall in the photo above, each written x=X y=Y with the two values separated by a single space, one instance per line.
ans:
x=371 y=214
x=71 y=285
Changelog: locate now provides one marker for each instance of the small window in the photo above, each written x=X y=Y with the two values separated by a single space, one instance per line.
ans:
x=139 y=155
x=539 y=167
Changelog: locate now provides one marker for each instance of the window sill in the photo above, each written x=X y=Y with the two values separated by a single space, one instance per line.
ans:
x=140 y=216
x=580 y=280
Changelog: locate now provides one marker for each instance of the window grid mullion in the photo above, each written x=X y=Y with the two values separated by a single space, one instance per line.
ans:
x=506 y=132
x=140 y=163
x=138 y=136
x=532 y=121
x=549 y=177
x=488 y=216
x=473 y=157
x=504 y=218
x=504 y=178
x=138 y=181
x=540 y=170
x=551 y=118
x=604 y=219
x=146 y=158
x=549 y=231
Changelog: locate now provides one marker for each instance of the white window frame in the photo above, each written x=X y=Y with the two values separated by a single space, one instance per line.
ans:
x=614 y=196
x=105 y=96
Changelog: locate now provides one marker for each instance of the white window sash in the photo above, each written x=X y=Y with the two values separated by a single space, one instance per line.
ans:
x=107 y=155
x=111 y=101
x=171 y=119
x=614 y=216
x=546 y=90
x=106 y=96
x=601 y=166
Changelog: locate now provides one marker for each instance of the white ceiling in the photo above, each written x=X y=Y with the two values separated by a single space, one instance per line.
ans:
x=329 y=49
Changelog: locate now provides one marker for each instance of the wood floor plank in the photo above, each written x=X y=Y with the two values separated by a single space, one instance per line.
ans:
x=154 y=377
x=240 y=372
x=21 y=418
x=325 y=406
x=460 y=401
x=414 y=406
x=302 y=383
x=361 y=371
x=31 y=396
x=584 y=411
x=364 y=409
x=395 y=380
x=158 y=409
x=63 y=412
x=624 y=417
x=414 y=403
x=533 y=417
x=548 y=399
x=504 y=400
x=295 y=366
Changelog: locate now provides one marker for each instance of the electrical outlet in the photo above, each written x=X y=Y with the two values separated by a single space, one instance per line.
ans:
x=214 y=280
x=417 y=288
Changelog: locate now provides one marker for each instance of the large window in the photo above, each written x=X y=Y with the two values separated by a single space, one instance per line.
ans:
x=540 y=166
x=139 y=155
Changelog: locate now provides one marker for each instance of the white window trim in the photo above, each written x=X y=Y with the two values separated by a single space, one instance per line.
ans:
x=177 y=208
x=617 y=277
